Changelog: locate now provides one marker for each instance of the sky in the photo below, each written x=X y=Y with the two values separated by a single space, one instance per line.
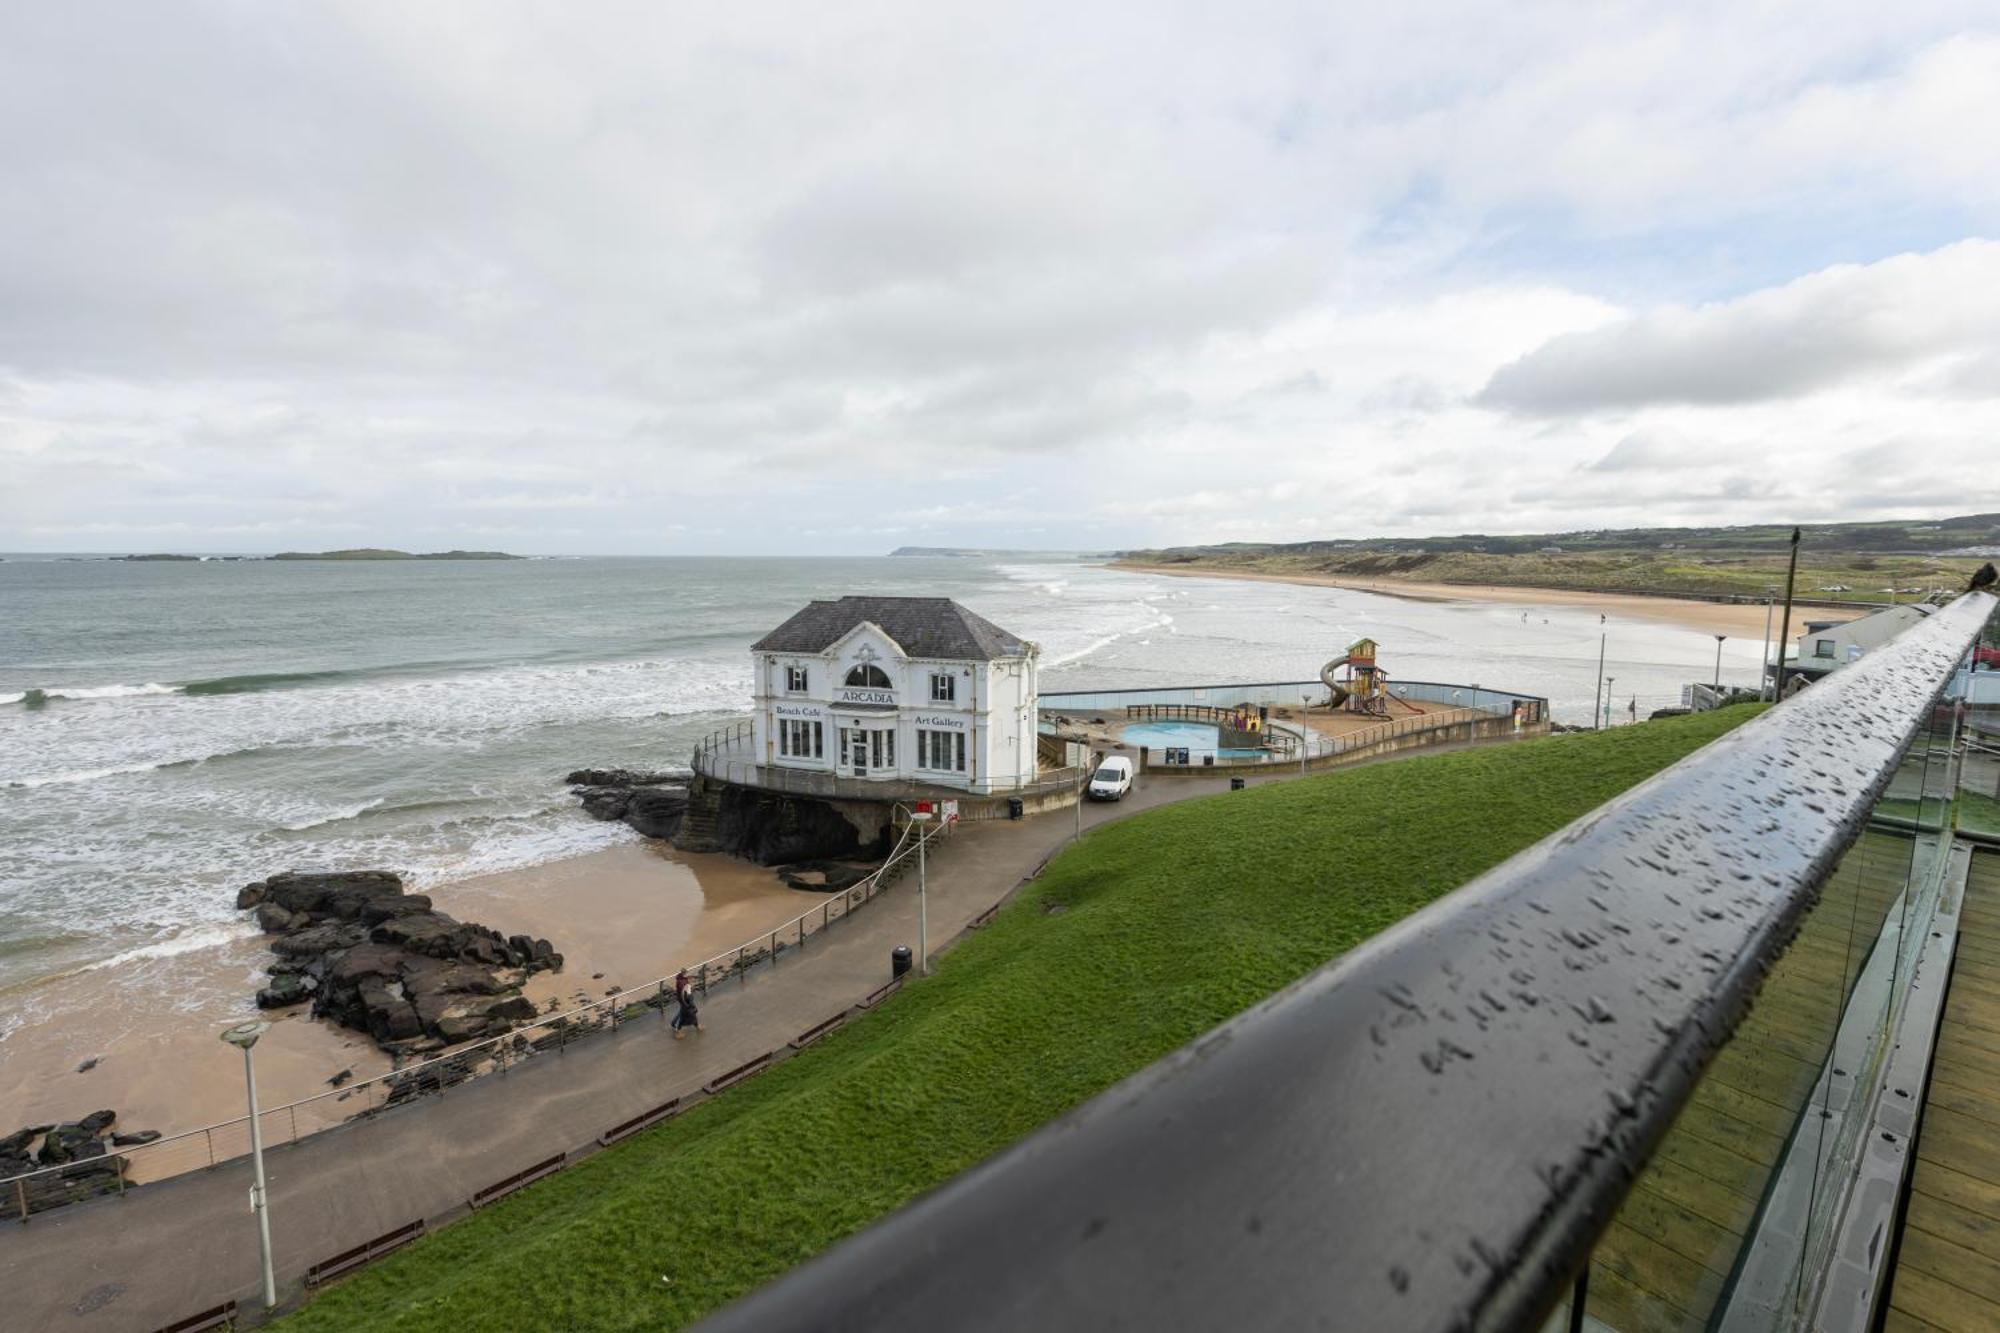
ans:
x=597 y=278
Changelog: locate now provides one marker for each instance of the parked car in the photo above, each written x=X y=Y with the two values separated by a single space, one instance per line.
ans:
x=1112 y=779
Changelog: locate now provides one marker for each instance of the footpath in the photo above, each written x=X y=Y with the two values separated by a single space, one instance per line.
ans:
x=165 y=1251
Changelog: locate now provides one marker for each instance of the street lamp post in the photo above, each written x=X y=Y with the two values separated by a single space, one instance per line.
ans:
x=245 y=1035
x=921 y=816
x=1596 y=698
x=1609 y=681
x=1764 y=669
x=1717 y=687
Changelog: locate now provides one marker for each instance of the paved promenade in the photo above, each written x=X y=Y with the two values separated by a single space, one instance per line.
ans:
x=170 y=1249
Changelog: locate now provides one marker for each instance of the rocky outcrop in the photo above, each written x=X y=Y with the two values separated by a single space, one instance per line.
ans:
x=373 y=958
x=626 y=777
x=81 y=1147
x=776 y=828
x=651 y=802
x=824 y=876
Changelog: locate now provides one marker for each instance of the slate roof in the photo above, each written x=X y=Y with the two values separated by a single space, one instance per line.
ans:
x=935 y=627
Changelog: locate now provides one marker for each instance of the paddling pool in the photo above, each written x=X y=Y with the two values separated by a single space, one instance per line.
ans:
x=1199 y=738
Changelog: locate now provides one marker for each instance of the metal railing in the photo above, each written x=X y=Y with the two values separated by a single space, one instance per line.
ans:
x=1436 y=1130
x=729 y=755
x=60 y=1183
x=1320 y=746
x=1287 y=693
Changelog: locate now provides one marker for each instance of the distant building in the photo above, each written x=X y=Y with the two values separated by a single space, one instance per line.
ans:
x=1550 y=550
x=911 y=689
x=1827 y=645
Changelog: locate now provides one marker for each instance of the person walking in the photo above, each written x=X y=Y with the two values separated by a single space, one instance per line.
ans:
x=688 y=1015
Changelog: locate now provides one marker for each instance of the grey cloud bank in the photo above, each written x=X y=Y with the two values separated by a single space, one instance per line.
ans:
x=623 y=280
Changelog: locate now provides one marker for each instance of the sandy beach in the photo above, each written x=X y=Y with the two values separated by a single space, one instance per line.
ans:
x=621 y=917
x=1708 y=617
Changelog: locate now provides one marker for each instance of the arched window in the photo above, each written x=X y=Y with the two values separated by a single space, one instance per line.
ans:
x=867 y=676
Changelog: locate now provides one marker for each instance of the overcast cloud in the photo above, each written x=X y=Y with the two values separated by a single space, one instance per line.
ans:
x=662 y=279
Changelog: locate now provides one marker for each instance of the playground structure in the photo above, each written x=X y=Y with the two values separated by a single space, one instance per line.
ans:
x=1366 y=686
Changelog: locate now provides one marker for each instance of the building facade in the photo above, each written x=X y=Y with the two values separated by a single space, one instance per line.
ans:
x=1828 y=646
x=912 y=690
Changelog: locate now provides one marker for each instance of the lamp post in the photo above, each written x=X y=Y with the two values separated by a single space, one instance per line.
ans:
x=921 y=816
x=245 y=1035
x=1764 y=668
x=1598 y=697
x=1717 y=686
x=1609 y=681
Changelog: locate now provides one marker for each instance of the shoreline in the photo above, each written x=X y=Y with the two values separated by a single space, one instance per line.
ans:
x=1735 y=619
x=621 y=917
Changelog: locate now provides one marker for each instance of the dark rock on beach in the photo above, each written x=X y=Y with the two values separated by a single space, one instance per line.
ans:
x=82 y=1148
x=380 y=961
x=651 y=802
x=824 y=876
x=624 y=777
x=657 y=811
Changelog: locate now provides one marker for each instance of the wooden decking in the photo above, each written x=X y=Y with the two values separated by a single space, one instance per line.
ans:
x=1947 y=1272
x=1667 y=1257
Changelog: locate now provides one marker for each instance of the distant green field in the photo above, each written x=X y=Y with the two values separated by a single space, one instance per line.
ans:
x=1823 y=577
x=1150 y=932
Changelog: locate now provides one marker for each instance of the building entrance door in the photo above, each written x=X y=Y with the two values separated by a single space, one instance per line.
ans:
x=866 y=749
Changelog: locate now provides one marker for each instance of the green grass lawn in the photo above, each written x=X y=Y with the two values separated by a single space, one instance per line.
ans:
x=1169 y=922
x=1978 y=813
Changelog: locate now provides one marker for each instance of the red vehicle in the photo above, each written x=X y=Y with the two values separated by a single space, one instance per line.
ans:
x=1986 y=657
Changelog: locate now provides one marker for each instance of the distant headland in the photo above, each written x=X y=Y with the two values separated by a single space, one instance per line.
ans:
x=355 y=553
x=381 y=553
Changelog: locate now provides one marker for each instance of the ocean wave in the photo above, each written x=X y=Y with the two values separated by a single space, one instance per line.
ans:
x=353 y=812
x=83 y=775
x=205 y=937
x=85 y=692
x=270 y=680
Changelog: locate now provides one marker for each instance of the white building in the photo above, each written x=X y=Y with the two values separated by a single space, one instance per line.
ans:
x=897 y=689
x=1827 y=647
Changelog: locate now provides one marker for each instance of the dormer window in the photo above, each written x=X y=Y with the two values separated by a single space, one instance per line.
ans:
x=795 y=680
x=868 y=676
x=944 y=687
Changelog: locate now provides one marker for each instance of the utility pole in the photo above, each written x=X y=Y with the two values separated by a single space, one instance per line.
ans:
x=1609 y=681
x=1785 y=625
x=1717 y=686
x=1598 y=697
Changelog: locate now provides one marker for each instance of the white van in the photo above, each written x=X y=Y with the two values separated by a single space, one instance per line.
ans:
x=1112 y=779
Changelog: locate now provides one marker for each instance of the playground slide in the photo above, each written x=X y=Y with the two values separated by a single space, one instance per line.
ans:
x=1326 y=679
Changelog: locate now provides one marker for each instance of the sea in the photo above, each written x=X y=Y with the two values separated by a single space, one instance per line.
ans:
x=171 y=730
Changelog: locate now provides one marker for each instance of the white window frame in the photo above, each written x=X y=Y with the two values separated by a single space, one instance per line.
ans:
x=801 y=739
x=1823 y=648
x=798 y=679
x=944 y=687
x=941 y=751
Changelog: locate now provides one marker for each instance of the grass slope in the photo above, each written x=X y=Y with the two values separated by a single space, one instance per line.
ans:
x=1172 y=921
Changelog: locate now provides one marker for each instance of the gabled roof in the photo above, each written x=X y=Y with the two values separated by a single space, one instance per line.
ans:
x=935 y=627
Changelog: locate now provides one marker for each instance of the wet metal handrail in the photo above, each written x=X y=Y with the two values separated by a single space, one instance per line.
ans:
x=1432 y=1131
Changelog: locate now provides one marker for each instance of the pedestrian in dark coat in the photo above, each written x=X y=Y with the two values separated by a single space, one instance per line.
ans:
x=688 y=1015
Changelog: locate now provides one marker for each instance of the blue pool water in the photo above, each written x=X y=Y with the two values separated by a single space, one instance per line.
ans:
x=1198 y=737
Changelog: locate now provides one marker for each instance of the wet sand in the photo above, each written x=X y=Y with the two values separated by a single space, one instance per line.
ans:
x=1737 y=620
x=634 y=913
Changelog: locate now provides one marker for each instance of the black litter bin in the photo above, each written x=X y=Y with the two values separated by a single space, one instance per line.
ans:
x=1236 y=784
x=1015 y=809
x=899 y=961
